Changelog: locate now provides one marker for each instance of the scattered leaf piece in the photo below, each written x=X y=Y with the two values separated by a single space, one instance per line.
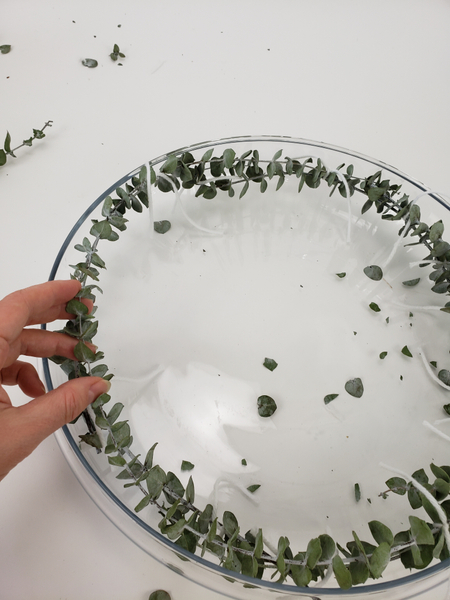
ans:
x=160 y=595
x=374 y=272
x=383 y=355
x=162 y=226
x=5 y=48
x=186 y=465
x=411 y=282
x=91 y=63
x=357 y=492
x=355 y=387
x=374 y=307
x=330 y=397
x=446 y=407
x=444 y=376
x=244 y=462
x=252 y=488
x=433 y=363
x=341 y=275
x=266 y=406
x=406 y=351
x=270 y=364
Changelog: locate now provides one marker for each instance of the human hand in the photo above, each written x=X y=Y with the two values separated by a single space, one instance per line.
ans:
x=23 y=428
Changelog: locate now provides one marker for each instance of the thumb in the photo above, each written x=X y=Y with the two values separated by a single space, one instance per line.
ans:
x=25 y=427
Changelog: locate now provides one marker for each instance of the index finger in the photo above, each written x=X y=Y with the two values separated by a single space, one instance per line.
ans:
x=41 y=303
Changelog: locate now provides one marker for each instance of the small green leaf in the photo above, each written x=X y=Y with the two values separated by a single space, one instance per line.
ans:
x=162 y=226
x=92 y=439
x=266 y=406
x=406 y=351
x=355 y=387
x=186 y=465
x=383 y=355
x=411 y=282
x=170 y=165
x=252 y=488
x=313 y=552
x=228 y=158
x=374 y=272
x=190 y=491
x=5 y=48
x=160 y=595
x=380 y=559
x=381 y=533
x=2 y=158
x=421 y=532
x=230 y=523
x=329 y=398
x=244 y=462
x=444 y=376
x=357 y=492
x=342 y=574
x=83 y=353
x=270 y=364
x=341 y=275
x=374 y=307
x=77 y=308
x=91 y=63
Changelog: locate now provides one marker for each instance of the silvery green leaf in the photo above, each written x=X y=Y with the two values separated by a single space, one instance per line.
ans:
x=374 y=272
x=411 y=282
x=5 y=48
x=162 y=226
x=380 y=559
x=252 y=488
x=270 y=364
x=92 y=439
x=300 y=573
x=190 y=491
x=355 y=387
x=170 y=164
x=117 y=461
x=406 y=351
x=160 y=595
x=328 y=546
x=266 y=406
x=329 y=398
x=205 y=519
x=421 y=532
x=381 y=533
x=148 y=462
x=342 y=574
x=230 y=523
x=75 y=307
x=83 y=353
x=142 y=504
x=91 y=63
x=313 y=552
x=155 y=481
x=186 y=465
x=228 y=158
x=444 y=376
x=436 y=231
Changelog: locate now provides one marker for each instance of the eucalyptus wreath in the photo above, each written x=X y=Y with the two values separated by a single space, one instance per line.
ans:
x=200 y=529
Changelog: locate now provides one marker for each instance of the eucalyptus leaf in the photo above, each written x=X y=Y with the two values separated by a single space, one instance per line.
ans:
x=5 y=48
x=270 y=364
x=162 y=226
x=160 y=595
x=186 y=465
x=355 y=387
x=374 y=272
x=266 y=406
x=411 y=282
x=91 y=63
x=329 y=398
x=406 y=351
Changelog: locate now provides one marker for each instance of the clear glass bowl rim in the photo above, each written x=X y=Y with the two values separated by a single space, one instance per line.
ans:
x=278 y=588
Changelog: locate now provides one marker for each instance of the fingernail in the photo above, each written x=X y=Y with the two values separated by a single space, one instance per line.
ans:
x=99 y=387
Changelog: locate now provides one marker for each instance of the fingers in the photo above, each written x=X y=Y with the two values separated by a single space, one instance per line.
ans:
x=25 y=376
x=41 y=343
x=34 y=305
x=25 y=427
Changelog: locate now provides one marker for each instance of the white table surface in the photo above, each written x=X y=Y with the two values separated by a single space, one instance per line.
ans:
x=370 y=76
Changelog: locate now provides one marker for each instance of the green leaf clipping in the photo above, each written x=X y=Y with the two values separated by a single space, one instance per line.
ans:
x=186 y=466
x=374 y=272
x=266 y=406
x=357 y=492
x=91 y=63
x=162 y=226
x=330 y=397
x=5 y=48
x=270 y=364
x=355 y=387
x=406 y=351
x=160 y=595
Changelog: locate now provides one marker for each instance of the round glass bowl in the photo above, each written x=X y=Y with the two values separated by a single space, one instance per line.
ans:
x=188 y=317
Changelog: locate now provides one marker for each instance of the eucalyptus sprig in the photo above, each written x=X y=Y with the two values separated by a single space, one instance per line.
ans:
x=199 y=529
x=38 y=134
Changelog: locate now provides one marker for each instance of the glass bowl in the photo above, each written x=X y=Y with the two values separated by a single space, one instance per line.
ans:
x=189 y=316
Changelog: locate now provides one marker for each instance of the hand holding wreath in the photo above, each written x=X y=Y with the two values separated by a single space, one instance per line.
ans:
x=23 y=428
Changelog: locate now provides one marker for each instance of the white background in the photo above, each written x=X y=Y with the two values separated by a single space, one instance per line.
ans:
x=372 y=76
